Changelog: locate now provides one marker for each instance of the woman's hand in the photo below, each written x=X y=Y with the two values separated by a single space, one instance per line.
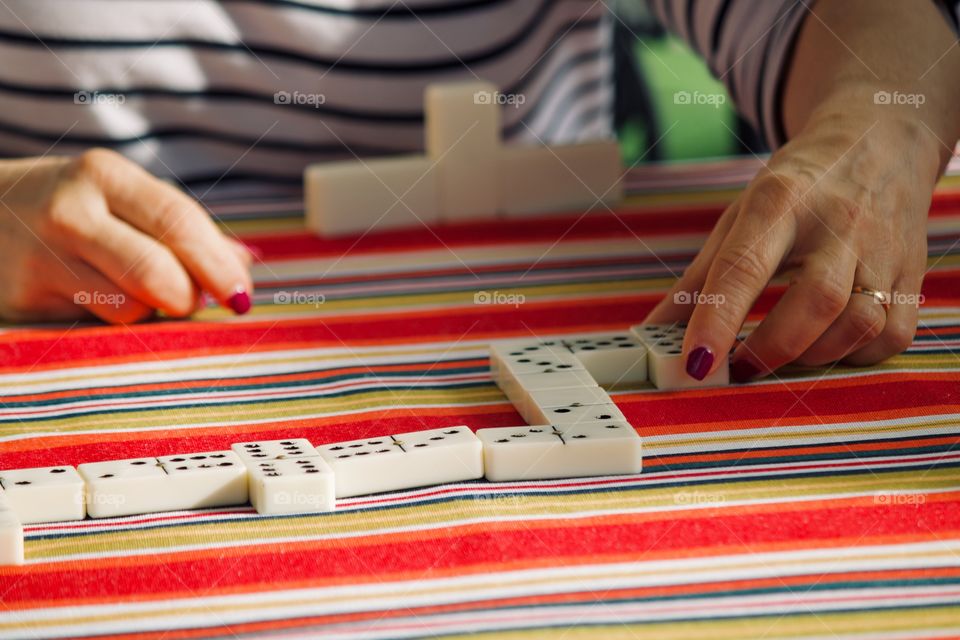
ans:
x=98 y=235
x=843 y=204
x=871 y=106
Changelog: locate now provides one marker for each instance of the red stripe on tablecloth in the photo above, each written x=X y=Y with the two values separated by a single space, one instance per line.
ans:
x=669 y=591
x=548 y=228
x=698 y=533
x=648 y=222
x=42 y=349
x=321 y=373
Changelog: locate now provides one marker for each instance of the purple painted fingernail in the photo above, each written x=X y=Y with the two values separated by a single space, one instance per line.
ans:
x=699 y=362
x=239 y=301
x=743 y=371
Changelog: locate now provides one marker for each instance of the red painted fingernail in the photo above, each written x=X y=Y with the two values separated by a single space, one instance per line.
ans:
x=699 y=362
x=239 y=301
x=743 y=371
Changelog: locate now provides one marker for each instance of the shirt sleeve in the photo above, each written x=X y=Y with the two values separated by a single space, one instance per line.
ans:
x=951 y=11
x=747 y=44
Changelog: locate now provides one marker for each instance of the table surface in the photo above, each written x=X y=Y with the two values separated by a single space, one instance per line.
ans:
x=819 y=503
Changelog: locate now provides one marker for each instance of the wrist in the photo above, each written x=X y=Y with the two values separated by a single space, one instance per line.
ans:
x=889 y=128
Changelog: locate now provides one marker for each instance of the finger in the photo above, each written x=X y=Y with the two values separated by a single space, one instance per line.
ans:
x=861 y=322
x=174 y=219
x=245 y=253
x=898 y=330
x=676 y=306
x=92 y=291
x=749 y=256
x=814 y=300
x=136 y=263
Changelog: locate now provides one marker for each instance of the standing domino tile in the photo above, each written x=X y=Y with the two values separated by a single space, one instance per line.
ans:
x=47 y=494
x=173 y=483
x=613 y=358
x=577 y=177
x=274 y=449
x=352 y=196
x=292 y=485
x=544 y=452
x=11 y=534
x=665 y=364
x=463 y=138
x=404 y=461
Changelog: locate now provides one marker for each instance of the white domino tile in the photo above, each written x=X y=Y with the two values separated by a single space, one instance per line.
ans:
x=542 y=403
x=555 y=380
x=572 y=415
x=11 y=538
x=152 y=485
x=204 y=480
x=47 y=494
x=665 y=364
x=462 y=135
x=611 y=359
x=292 y=485
x=546 y=452
x=404 y=461
x=552 y=179
x=525 y=359
x=274 y=449
x=124 y=487
x=11 y=534
x=376 y=194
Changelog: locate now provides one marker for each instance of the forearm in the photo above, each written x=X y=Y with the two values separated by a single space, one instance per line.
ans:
x=848 y=50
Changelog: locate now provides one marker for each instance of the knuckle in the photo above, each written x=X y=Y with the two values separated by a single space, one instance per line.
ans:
x=827 y=299
x=849 y=213
x=172 y=221
x=67 y=217
x=152 y=274
x=898 y=337
x=867 y=321
x=772 y=194
x=742 y=266
x=97 y=163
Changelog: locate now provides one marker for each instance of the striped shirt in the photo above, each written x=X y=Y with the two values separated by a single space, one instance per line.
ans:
x=207 y=91
x=214 y=92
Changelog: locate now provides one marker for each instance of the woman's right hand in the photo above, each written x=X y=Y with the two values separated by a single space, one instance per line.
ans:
x=97 y=234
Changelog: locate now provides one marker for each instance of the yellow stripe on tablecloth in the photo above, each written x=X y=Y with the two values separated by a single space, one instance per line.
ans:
x=817 y=625
x=226 y=412
x=740 y=496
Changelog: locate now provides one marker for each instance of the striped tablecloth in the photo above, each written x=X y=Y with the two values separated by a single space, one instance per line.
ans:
x=822 y=503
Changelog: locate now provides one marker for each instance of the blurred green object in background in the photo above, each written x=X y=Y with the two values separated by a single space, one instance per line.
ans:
x=696 y=116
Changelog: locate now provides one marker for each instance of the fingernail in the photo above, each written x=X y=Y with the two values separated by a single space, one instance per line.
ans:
x=743 y=371
x=699 y=362
x=239 y=301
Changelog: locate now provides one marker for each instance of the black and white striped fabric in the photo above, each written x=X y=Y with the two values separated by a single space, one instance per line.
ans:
x=220 y=92
x=257 y=89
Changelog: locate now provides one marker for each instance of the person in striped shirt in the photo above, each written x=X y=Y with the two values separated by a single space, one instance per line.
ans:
x=107 y=103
